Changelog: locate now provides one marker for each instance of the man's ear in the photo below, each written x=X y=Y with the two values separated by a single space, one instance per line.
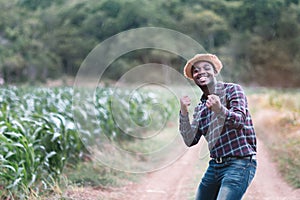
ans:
x=215 y=72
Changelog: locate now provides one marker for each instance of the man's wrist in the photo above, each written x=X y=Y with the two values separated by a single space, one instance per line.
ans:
x=184 y=118
x=183 y=112
x=222 y=111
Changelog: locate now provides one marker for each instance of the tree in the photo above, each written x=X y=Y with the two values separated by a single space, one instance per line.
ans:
x=206 y=27
x=259 y=17
x=41 y=39
x=35 y=4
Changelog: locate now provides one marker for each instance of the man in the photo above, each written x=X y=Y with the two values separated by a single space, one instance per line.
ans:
x=223 y=118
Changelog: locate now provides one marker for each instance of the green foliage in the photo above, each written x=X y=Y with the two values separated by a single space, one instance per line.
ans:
x=259 y=17
x=43 y=39
x=215 y=32
x=35 y=4
x=36 y=138
x=39 y=137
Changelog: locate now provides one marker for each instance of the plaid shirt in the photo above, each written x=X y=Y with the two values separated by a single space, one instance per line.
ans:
x=228 y=133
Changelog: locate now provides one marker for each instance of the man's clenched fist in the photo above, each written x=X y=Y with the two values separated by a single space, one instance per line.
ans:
x=184 y=103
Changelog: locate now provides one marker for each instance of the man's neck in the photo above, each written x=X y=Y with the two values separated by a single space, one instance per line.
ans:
x=208 y=89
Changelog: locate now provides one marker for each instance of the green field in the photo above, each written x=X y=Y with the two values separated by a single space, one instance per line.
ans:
x=39 y=137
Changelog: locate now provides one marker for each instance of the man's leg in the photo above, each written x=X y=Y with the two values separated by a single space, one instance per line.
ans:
x=209 y=186
x=237 y=178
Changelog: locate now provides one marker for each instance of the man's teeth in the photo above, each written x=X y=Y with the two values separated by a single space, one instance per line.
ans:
x=202 y=79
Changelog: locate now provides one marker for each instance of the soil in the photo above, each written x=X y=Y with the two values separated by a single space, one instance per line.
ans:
x=179 y=181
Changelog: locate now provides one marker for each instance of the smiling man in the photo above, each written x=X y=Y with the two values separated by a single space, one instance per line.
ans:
x=223 y=118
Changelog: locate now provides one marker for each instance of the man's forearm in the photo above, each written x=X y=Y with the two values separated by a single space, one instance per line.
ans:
x=187 y=131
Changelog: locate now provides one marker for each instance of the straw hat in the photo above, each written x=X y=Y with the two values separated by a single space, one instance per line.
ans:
x=213 y=59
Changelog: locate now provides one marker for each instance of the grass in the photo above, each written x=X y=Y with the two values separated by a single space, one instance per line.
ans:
x=95 y=175
x=279 y=128
x=289 y=162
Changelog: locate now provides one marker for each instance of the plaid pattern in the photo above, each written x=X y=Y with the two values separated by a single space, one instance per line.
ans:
x=228 y=133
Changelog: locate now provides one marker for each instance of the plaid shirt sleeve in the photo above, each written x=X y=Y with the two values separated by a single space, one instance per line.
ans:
x=189 y=131
x=235 y=116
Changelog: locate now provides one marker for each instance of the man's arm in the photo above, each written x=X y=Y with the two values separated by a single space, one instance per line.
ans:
x=187 y=130
x=235 y=113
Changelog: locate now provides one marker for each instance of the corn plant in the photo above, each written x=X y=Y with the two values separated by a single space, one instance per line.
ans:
x=39 y=137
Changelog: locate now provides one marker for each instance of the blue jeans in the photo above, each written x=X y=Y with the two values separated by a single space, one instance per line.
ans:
x=226 y=181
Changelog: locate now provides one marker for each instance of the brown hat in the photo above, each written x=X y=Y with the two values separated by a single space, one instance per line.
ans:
x=213 y=59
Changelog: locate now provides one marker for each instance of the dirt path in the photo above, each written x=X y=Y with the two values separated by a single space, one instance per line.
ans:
x=173 y=182
x=179 y=182
x=268 y=184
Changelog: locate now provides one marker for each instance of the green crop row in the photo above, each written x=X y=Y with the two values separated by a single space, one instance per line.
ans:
x=42 y=130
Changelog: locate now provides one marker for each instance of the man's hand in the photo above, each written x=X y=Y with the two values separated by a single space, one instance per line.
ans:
x=213 y=102
x=184 y=103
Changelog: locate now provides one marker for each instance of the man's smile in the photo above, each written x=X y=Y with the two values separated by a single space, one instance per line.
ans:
x=203 y=79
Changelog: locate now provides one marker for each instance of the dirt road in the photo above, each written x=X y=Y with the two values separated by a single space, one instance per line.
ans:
x=268 y=184
x=179 y=182
x=176 y=182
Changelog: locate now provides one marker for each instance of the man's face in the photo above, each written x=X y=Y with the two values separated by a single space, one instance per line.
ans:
x=203 y=73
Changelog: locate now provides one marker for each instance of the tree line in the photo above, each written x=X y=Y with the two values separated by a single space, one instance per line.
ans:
x=258 y=41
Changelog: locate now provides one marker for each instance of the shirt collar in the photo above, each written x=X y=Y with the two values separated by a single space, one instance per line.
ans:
x=219 y=91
